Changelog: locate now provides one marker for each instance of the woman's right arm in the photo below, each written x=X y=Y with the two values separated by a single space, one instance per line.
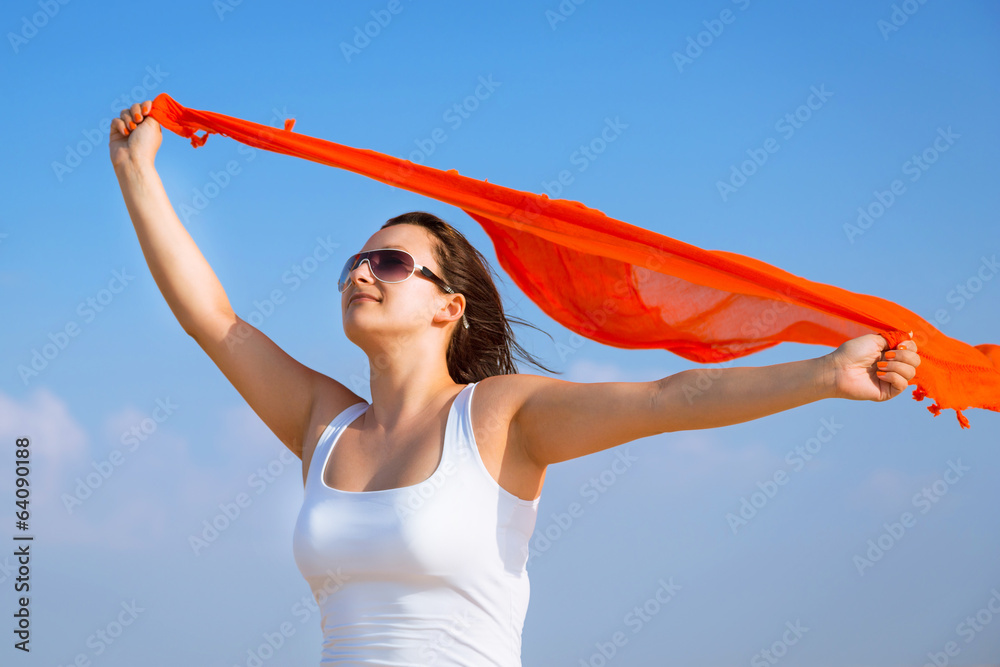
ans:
x=185 y=279
x=282 y=391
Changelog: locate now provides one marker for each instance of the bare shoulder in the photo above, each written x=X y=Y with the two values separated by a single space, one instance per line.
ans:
x=497 y=401
x=329 y=400
x=552 y=420
x=512 y=389
x=503 y=391
x=500 y=397
x=507 y=394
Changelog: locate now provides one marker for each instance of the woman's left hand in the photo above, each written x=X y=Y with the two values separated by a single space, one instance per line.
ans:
x=863 y=373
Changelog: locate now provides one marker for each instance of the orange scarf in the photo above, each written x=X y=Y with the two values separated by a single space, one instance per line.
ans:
x=628 y=287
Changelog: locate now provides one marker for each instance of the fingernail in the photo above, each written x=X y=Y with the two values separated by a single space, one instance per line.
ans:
x=890 y=355
x=880 y=373
x=138 y=117
x=131 y=125
x=883 y=365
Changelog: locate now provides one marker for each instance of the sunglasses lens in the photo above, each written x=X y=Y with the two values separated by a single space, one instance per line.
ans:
x=390 y=266
x=345 y=273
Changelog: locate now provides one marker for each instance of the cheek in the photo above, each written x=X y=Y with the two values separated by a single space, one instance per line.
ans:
x=413 y=309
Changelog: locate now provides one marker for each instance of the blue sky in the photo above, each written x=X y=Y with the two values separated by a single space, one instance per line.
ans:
x=890 y=90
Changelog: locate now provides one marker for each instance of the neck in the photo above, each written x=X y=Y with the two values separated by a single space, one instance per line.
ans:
x=407 y=386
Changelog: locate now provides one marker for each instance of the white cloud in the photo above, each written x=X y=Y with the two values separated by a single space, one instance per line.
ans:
x=56 y=437
x=586 y=370
x=157 y=492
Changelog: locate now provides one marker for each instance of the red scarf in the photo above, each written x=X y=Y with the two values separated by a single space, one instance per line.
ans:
x=628 y=287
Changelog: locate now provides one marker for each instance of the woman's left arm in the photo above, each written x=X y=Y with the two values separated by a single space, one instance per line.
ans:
x=860 y=369
x=555 y=420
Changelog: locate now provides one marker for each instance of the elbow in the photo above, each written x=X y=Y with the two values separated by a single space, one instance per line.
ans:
x=216 y=327
x=673 y=400
x=661 y=407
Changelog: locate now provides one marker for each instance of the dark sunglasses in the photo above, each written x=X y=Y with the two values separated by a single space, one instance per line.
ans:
x=390 y=265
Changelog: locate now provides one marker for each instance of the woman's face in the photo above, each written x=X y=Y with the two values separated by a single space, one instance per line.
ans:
x=396 y=309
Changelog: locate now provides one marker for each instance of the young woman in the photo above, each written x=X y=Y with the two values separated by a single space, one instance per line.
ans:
x=418 y=507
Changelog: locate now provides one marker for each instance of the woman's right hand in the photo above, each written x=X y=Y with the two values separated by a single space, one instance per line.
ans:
x=134 y=136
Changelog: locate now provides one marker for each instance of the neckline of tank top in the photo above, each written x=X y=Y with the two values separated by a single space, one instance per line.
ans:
x=329 y=451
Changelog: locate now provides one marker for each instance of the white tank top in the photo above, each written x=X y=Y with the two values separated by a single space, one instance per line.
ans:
x=428 y=574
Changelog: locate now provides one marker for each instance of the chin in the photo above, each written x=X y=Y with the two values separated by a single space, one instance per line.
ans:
x=357 y=332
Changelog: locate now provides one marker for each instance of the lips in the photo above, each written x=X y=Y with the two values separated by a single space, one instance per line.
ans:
x=361 y=297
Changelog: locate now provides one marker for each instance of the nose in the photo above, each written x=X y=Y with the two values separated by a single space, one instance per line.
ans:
x=367 y=275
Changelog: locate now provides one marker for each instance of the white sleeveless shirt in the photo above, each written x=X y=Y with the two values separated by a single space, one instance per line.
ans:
x=428 y=574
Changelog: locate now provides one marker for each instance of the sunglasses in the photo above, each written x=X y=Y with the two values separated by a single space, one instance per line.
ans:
x=390 y=265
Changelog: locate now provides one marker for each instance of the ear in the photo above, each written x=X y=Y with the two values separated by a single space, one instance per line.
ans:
x=452 y=310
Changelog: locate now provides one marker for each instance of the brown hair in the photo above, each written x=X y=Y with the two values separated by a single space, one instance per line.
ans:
x=484 y=349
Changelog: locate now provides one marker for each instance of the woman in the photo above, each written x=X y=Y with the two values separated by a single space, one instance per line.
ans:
x=418 y=508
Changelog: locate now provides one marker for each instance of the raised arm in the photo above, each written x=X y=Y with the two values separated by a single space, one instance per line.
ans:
x=282 y=391
x=558 y=420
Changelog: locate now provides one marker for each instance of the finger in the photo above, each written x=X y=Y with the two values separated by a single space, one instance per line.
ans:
x=147 y=106
x=136 y=110
x=903 y=355
x=893 y=379
x=128 y=124
x=900 y=368
x=910 y=345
